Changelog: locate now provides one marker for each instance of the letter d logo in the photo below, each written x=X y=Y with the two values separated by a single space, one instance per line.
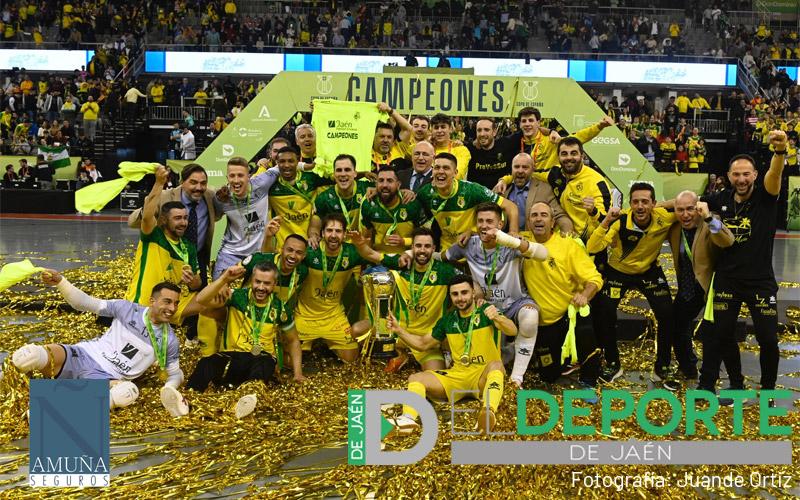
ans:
x=366 y=427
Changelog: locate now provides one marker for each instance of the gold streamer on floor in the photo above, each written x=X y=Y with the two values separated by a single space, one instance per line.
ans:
x=210 y=452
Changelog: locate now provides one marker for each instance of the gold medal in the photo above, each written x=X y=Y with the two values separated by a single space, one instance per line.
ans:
x=464 y=359
x=162 y=375
x=256 y=350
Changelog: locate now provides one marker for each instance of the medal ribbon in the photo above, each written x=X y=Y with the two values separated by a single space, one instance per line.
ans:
x=292 y=188
x=257 y=322
x=444 y=199
x=242 y=209
x=416 y=293
x=292 y=279
x=686 y=247
x=343 y=206
x=327 y=278
x=392 y=214
x=468 y=336
x=180 y=249
x=492 y=267
x=160 y=349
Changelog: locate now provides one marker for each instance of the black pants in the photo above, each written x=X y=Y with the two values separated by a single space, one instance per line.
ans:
x=653 y=284
x=191 y=322
x=231 y=369
x=761 y=298
x=685 y=313
x=548 y=349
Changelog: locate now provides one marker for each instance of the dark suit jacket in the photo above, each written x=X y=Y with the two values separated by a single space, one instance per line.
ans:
x=405 y=178
x=174 y=194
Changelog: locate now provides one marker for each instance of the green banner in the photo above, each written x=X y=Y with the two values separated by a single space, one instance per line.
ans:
x=456 y=95
x=781 y=6
x=793 y=212
x=675 y=183
x=67 y=173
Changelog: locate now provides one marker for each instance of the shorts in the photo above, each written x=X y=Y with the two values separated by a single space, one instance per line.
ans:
x=335 y=331
x=223 y=262
x=460 y=379
x=433 y=354
x=512 y=310
x=78 y=364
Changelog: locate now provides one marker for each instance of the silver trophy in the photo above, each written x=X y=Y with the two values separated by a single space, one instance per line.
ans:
x=379 y=290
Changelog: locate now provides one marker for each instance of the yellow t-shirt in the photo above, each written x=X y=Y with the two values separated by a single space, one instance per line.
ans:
x=462 y=155
x=158 y=259
x=318 y=301
x=243 y=313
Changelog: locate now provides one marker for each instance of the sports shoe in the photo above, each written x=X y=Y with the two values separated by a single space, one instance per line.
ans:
x=26 y=358
x=482 y=423
x=246 y=405
x=404 y=424
x=610 y=373
x=395 y=364
x=666 y=378
x=569 y=368
x=517 y=380
x=174 y=402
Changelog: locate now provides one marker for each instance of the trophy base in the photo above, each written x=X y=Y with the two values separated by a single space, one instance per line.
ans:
x=384 y=349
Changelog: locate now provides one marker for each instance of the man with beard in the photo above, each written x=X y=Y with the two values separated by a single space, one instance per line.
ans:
x=292 y=197
x=252 y=316
x=495 y=262
x=488 y=162
x=696 y=241
x=568 y=277
x=422 y=167
x=525 y=190
x=320 y=313
x=441 y=128
x=292 y=272
x=163 y=252
x=421 y=293
x=306 y=139
x=420 y=131
x=634 y=238
x=385 y=150
x=244 y=201
x=390 y=221
x=472 y=332
x=344 y=197
x=275 y=145
x=452 y=202
x=744 y=270
x=139 y=337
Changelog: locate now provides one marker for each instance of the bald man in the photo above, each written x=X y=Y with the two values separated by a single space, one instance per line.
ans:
x=525 y=190
x=422 y=163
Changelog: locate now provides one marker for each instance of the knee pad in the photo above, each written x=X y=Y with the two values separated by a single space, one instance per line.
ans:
x=123 y=394
x=30 y=357
x=528 y=322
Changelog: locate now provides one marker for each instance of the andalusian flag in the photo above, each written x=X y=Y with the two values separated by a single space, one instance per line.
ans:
x=56 y=156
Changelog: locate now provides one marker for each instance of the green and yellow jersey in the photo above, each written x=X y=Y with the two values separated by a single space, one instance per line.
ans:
x=570 y=193
x=456 y=213
x=321 y=295
x=399 y=218
x=244 y=314
x=295 y=203
x=485 y=345
x=288 y=285
x=329 y=201
x=158 y=259
x=421 y=297
x=632 y=249
x=552 y=283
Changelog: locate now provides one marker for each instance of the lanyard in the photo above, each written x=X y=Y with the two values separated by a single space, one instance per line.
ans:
x=453 y=191
x=416 y=293
x=257 y=322
x=686 y=247
x=342 y=204
x=292 y=279
x=160 y=349
x=292 y=188
x=242 y=209
x=392 y=214
x=327 y=278
x=180 y=249
x=468 y=336
x=493 y=266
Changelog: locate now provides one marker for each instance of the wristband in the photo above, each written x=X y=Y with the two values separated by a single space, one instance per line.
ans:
x=507 y=240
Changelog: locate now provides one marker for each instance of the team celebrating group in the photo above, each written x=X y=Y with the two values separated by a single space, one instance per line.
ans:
x=491 y=270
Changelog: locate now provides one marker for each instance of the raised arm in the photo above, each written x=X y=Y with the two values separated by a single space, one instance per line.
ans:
x=772 y=180
x=207 y=295
x=152 y=202
x=74 y=296
x=512 y=215
x=603 y=234
x=362 y=246
x=504 y=324
x=405 y=127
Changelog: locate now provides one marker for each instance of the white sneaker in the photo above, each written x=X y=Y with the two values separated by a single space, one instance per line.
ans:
x=246 y=405
x=26 y=358
x=517 y=380
x=174 y=402
x=404 y=425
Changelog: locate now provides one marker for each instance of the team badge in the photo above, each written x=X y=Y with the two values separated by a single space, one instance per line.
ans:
x=302 y=185
x=359 y=198
x=284 y=317
x=477 y=320
x=403 y=213
x=633 y=237
x=345 y=262
x=448 y=220
x=433 y=277
x=273 y=314
x=579 y=186
x=291 y=205
x=248 y=259
x=316 y=261
x=461 y=202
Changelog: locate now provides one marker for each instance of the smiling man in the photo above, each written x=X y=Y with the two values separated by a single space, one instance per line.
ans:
x=634 y=238
x=441 y=128
x=488 y=156
x=292 y=272
x=306 y=139
x=139 y=337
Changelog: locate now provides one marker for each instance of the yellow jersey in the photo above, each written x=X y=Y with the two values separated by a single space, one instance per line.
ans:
x=485 y=345
x=158 y=259
x=245 y=316
x=295 y=203
x=321 y=295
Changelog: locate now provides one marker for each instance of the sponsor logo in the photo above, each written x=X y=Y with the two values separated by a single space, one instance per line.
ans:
x=227 y=150
x=129 y=351
x=611 y=141
x=323 y=293
x=623 y=159
x=249 y=133
x=324 y=84
x=530 y=89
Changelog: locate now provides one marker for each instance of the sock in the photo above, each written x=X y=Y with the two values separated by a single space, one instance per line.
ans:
x=493 y=391
x=525 y=341
x=416 y=388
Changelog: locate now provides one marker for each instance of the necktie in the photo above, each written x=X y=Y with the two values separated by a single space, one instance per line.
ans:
x=191 y=229
x=415 y=181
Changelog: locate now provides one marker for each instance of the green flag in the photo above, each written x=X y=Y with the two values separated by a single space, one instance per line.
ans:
x=97 y=196
x=56 y=156
x=17 y=272
x=344 y=127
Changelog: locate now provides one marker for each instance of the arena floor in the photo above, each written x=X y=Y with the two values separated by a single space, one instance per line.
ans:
x=267 y=454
